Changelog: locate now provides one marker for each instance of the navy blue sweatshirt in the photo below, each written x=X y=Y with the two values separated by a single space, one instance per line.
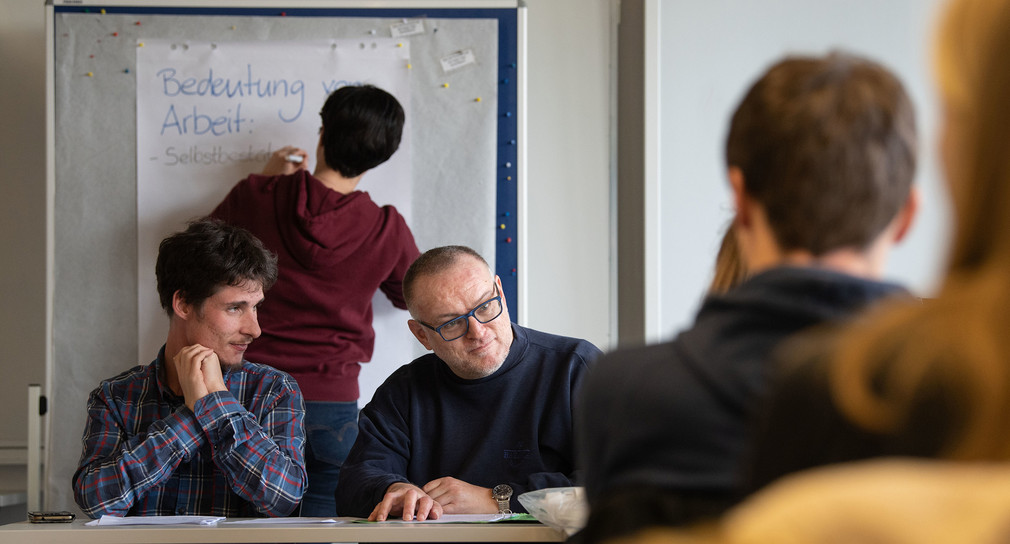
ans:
x=676 y=416
x=512 y=427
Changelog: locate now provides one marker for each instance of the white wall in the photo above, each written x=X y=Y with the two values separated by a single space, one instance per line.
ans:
x=568 y=192
x=22 y=227
x=710 y=52
x=569 y=145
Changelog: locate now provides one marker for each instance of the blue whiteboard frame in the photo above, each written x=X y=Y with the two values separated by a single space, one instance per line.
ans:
x=507 y=224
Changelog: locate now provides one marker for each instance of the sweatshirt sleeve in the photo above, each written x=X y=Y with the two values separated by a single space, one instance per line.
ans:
x=377 y=460
x=407 y=252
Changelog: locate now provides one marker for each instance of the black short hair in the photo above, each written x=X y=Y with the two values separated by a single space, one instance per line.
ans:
x=362 y=126
x=827 y=145
x=207 y=256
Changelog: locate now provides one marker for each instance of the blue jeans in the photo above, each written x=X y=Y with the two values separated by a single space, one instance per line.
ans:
x=330 y=430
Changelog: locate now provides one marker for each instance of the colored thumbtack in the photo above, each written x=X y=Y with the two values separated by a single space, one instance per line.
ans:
x=508 y=240
x=126 y=70
x=399 y=44
x=115 y=33
x=91 y=74
x=502 y=226
x=137 y=23
x=409 y=65
x=508 y=165
x=445 y=85
x=103 y=12
x=476 y=99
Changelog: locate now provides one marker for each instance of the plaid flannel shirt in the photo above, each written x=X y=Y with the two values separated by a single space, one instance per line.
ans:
x=238 y=453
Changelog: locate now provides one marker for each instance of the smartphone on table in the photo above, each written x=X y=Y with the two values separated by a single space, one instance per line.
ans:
x=51 y=517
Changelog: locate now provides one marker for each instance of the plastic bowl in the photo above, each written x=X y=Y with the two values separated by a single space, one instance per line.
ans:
x=562 y=508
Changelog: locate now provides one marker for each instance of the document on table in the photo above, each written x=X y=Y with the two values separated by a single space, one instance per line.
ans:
x=154 y=520
x=462 y=518
x=200 y=520
x=284 y=521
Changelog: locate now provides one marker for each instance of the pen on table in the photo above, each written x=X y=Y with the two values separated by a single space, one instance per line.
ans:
x=294 y=158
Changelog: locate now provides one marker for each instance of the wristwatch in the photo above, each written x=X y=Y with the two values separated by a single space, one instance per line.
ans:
x=502 y=493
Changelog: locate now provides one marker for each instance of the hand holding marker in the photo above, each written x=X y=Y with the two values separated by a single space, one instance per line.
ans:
x=286 y=160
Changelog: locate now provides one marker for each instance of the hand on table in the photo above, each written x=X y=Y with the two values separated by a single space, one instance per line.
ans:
x=408 y=501
x=458 y=497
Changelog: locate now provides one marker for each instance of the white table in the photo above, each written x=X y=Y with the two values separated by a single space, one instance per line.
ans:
x=77 y=533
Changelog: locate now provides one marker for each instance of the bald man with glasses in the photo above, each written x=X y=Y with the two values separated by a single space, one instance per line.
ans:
x=482 y=419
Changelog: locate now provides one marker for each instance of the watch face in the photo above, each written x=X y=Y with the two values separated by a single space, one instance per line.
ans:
x=502 y=491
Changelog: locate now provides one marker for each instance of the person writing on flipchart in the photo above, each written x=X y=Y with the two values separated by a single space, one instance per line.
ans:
x=335 y=249
x=485 y=417
x=199 y=431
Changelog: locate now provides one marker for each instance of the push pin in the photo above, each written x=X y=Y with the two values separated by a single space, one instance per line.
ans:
x=508 y=240
x=476 y=99
x=91 y=74
x=445 y=85
x=502 y=226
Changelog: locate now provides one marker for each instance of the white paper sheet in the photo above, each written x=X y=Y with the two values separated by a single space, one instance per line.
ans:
x=282 y=521
x=459 y=518
x=154 y=520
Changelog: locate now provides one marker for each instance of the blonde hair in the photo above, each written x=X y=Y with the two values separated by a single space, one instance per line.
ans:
x=950 y=357
x=730 y=269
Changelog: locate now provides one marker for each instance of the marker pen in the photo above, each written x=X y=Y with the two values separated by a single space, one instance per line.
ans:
x=294 y=158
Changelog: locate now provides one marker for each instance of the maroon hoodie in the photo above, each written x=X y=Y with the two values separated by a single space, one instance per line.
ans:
x=334 y=251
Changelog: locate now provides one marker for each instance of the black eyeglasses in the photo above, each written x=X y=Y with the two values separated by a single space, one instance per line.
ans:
x=457 y=327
